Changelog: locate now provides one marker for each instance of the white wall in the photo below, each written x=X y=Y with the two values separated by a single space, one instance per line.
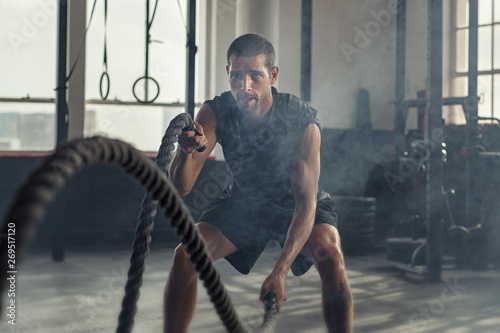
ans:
x=353 y=50
x=354 y=46
x=416 y=47
x=224 y=32
x=288 y=57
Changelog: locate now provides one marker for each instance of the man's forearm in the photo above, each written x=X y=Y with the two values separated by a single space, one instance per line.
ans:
x=181 y=172
x=297 y=236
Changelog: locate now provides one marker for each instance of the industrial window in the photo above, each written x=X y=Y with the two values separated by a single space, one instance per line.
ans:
x=28 y=74
x=488 y=54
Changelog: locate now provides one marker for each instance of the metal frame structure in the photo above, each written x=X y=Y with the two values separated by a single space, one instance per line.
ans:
x=190 y=57
x=58 y=225
x=433 y=103
x=305 y=55
x=433 y=123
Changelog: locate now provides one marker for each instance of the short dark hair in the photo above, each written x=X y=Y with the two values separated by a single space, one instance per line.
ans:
x=251 y=45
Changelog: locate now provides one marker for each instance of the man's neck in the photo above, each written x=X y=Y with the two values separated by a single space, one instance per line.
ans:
x=258 y=121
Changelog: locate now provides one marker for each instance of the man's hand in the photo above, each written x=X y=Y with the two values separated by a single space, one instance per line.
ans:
x=189 y=141
x=275 y=283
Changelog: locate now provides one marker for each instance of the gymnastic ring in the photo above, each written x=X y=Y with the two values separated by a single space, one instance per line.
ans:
x=146 y=100
x=103 y=76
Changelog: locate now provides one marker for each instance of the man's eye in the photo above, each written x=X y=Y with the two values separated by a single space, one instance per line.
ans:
x=256 y=76
x=235 y=75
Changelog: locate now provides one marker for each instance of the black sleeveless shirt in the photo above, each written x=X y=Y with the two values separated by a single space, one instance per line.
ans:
x=260 y=160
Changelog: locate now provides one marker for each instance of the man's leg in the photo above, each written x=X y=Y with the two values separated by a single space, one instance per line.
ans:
x=324 y=250
x=180 y=291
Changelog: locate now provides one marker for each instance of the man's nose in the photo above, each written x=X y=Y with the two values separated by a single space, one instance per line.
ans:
x=246 y=85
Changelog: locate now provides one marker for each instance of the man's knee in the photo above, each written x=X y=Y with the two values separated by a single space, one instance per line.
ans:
x=324 y=246
x=181 y=258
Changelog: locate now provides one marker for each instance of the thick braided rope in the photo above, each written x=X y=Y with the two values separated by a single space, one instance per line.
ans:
x=144 y=227
x=186 y=232
x=38 y=190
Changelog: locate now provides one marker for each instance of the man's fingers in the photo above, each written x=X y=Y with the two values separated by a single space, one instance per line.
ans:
x=189 y=141
x=196 y=135
x=279 y=302
x=279 y=299
x=199 y=128
x=278 y=305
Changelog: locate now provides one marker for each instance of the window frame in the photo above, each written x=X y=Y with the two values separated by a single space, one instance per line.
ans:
x=464 y=74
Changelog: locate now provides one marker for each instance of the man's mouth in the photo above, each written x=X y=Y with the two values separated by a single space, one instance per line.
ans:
x=246 y=99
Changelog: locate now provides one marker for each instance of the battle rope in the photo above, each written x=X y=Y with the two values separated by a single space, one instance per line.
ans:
x=146 y=223
x=38 y=190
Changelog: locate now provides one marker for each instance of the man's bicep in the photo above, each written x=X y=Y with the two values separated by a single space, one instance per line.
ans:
x=306 y=168
x=206 y=118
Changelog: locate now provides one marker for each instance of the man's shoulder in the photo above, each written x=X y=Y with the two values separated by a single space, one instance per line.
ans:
x=291 y=101
x=223 y=97
x=294 y=105
x=297 y=112
x=284 y=96
x=221 y=104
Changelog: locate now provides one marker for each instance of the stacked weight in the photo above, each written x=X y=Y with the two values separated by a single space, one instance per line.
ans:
x=356 y=223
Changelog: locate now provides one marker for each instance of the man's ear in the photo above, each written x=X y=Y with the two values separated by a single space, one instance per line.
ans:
x=273 y=74
x=227 y=70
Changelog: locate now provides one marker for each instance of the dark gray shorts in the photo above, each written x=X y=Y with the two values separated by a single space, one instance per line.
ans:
x=250 y=227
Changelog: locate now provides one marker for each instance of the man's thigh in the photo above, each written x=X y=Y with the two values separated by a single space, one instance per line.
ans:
x=218 y=245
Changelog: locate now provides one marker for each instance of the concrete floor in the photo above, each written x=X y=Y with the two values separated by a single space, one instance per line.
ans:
x=84 y=293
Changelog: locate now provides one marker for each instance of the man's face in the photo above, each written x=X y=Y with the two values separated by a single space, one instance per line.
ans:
x=251 y=82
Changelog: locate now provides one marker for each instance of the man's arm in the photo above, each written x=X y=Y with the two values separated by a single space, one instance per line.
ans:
x=187 y=162
x=304 y=177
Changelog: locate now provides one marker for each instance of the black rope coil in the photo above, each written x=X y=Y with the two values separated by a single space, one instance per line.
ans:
x=39 y=188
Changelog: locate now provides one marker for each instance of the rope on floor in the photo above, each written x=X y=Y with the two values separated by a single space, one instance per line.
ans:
x=39 y=188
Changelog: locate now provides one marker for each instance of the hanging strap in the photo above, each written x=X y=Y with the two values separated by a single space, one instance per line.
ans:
x=105 y=76
x=83 y=43
x=190 y=42
x=146 y=78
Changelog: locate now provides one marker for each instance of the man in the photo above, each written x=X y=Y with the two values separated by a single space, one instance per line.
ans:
x=271 y=144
